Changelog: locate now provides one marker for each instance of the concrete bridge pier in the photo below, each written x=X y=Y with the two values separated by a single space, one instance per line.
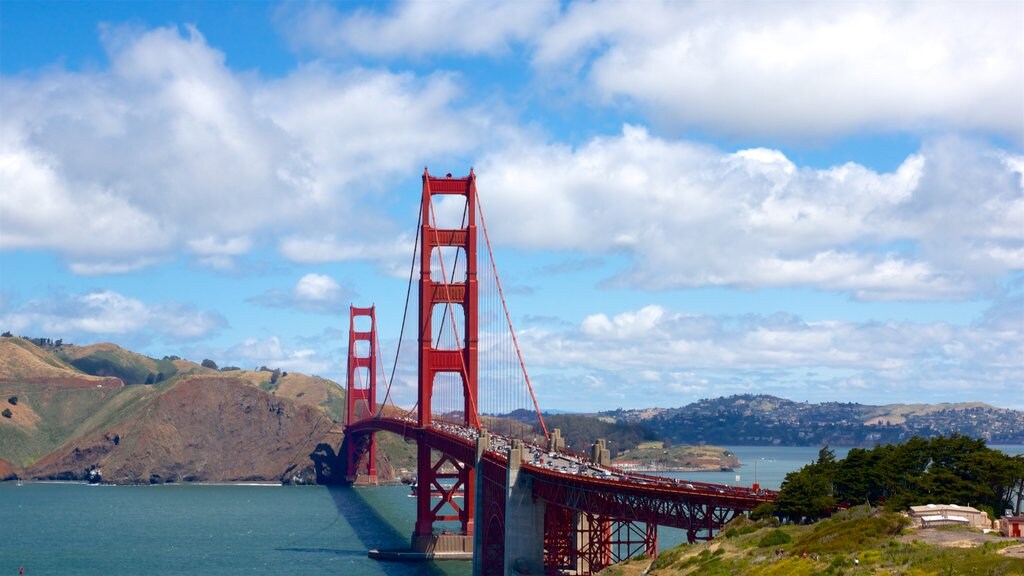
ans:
x=524 y=519
x=522 y=548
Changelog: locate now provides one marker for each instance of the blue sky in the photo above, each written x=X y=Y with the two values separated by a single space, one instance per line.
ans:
x=687 y=199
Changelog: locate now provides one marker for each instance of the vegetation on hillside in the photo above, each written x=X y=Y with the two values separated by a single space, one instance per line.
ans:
x=954 y=469
x=862 y=540
x=581 y=431
x=764 y=420
x=658 y=456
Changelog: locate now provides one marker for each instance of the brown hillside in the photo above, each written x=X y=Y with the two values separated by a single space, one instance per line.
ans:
x=309 y=390
x=7 y=470
x=24 y=362
x=204 y=428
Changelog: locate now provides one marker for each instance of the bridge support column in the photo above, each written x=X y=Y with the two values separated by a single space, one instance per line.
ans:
x=524 y=519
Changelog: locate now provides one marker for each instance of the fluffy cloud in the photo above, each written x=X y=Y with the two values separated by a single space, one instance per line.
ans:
x=108 y=314
x=270 y=352
x=794 y=69
x=701 y=356
x=942 y=226
x=170 y=150
x=312 y=292
x=419 y=28
x=782 y=69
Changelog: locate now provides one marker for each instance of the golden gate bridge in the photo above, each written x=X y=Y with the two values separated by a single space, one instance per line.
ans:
x=507 y=494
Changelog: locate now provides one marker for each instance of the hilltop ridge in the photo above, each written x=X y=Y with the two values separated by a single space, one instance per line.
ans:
x=761 y=419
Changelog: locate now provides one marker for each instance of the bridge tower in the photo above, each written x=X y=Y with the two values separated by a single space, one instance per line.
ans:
x=440 y=294
x=361 y=399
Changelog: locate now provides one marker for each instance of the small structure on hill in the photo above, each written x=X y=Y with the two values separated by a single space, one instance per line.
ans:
x=934 y=515
x=1012 y=526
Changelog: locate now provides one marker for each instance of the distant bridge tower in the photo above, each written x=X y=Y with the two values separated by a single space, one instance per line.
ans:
x=450 y=364
x=361 y=400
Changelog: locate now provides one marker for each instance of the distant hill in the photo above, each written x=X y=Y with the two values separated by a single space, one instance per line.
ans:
x=70 y=411
x=768 y=420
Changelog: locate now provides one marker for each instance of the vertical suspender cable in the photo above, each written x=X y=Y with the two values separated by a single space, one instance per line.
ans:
x=508 y=317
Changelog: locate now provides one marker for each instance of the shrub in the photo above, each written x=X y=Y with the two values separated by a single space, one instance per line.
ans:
x=774 y=538
x=207 y=363
x=13 y=400
x=742 y=530
x=763 y=511
x=7 y=413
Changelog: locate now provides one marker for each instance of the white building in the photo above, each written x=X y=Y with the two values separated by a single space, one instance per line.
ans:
x=932 y=515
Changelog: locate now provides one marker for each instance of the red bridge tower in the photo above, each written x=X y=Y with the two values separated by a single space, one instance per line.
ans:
x=441 y=295
x=361 y=399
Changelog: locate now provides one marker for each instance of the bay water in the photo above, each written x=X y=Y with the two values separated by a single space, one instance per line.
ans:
x=199 y=530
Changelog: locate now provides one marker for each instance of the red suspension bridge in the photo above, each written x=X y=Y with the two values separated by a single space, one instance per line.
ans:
x=500 y=490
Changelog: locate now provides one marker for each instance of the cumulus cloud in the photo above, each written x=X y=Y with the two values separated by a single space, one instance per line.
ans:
x=272 y=353
x=411 y=28
x=108 y=314
x=669 y=357
x=168 y=149
x=794 y=69
x=312 y=293
x=944 y=225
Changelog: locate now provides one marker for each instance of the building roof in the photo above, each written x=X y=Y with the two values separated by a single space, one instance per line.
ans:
x=934 y=508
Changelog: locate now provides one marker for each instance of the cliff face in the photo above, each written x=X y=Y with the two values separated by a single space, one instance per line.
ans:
x=208 y=429
x=7 y=471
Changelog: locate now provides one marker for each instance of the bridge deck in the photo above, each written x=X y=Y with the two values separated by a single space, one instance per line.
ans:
x=575 y=483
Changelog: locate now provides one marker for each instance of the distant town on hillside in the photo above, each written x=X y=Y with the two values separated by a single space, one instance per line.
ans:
x=767 y=420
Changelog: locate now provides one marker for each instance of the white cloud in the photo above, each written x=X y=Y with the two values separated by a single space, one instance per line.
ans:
x=795 y=69
x=941 y=226
x=170 y=150
x=669 y=358
x=107 y=313
x=623 y=326
x=317 y=288
x=414 y=29
x=312 y=293
x=270 y=352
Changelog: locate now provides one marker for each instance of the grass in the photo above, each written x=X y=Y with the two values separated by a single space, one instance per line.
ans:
x=61 y=411
x=870 y=536
x=130 y=367
x=852 y=530
x=652 y=453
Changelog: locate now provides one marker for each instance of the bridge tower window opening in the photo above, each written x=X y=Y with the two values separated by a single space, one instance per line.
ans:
x=448 y=261
x=450 y=210
x=361 y=404
x=362 y=350
x=446 y=334
x=449 y=401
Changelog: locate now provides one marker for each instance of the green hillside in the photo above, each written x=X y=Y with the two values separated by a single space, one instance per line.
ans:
x=111 y=360
x=859 y=541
